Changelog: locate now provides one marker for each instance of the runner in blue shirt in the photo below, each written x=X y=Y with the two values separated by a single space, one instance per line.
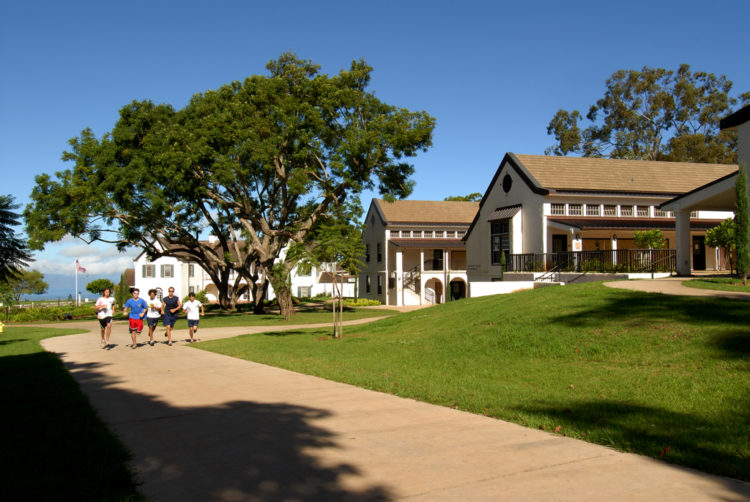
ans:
x=137 y=308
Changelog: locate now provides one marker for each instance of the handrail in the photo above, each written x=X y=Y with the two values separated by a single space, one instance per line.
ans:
x=550 y=274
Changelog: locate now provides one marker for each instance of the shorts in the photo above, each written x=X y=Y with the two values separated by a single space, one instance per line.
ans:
x=104 y=322
x=192 y=323
x=136 y=325
x=152 y=321
x=169 y=320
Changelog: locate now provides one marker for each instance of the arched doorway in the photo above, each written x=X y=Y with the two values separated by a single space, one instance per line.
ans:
x=212 y=292
x=458 y=289
x=433 y=291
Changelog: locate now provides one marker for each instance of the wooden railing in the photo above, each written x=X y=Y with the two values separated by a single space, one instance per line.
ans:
x=610 y=261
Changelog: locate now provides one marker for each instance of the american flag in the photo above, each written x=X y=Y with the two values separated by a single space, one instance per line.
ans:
x=79 y=268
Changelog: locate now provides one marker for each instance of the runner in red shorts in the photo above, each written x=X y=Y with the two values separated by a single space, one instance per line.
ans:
x=137 y=308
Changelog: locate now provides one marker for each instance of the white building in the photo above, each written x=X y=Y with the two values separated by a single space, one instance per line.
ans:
x=541 y=212
x=414 y=254
x=187 y=277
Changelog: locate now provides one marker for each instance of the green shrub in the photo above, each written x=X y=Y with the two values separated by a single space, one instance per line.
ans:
x=360 y=302
x=52 y=313
x=200 y=296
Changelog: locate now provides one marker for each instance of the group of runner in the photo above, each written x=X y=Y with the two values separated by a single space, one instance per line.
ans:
x=152 y=310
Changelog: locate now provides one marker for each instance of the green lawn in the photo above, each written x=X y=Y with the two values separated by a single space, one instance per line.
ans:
x=658 y=375
x=321 y=316
x=225 y=319
x=718 y=284
x=54 y=446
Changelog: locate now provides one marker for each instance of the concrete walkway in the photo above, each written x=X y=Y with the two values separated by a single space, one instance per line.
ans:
x=673 y=286
x=203 y=426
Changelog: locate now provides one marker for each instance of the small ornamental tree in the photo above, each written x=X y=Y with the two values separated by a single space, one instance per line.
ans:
x=741 y=225
x=649 y=239
x=98 y=285
x=722 y=236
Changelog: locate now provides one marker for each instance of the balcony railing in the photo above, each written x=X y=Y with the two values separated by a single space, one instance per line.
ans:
x=609 y=261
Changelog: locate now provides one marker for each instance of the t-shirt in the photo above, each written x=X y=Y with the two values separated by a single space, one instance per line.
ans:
x=169 y=304
x=154 y=308
x=136 y=307
x=104 y=302
x=193 y=309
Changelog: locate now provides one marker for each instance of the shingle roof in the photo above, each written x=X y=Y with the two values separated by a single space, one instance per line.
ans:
x=428 y=211
x=616 y=175
x=504 y=212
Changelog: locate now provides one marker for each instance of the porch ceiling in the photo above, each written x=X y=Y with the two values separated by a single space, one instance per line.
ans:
x=428 y=243
x=630 y=223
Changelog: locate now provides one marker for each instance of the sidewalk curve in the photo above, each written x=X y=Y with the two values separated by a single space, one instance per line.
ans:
x=204 y=426
x=674 y=286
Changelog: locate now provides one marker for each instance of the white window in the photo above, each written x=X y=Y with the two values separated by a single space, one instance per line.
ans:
x=693 y=214
x=575 y=209
x=429 y=234
x=659 y=213
x=460 y=234
x=592 y=210
x=626 y=210
x=450 y=234
x=167 y=270
x=643 y=211
x=191 y=270
x=148 y=270
x=558 y=209
x=610 y=210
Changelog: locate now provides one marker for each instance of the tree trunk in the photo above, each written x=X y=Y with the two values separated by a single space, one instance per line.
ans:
x=282 y=286
x=286 y=306
x=259 y=291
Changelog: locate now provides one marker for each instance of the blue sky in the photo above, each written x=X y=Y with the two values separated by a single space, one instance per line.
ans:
x=492 y=73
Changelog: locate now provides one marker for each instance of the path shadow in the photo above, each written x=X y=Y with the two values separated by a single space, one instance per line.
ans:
x=241 y=450
x=54 y=447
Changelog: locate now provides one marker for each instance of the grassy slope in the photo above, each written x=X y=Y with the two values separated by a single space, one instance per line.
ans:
x=224 y=319
x=718 y=284
x=54 y=445
x=657 y=375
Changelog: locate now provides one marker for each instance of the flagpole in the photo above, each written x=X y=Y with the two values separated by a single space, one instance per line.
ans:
x=75 y=293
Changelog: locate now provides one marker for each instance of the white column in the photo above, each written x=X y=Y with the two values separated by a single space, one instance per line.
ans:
x=613 y=241
x=684 y=250
x=446 y=268
x=421 y=276
x=399 y=278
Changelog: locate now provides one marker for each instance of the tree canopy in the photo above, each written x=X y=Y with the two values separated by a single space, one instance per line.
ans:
x=653 y=114
x=722 y=236
x=472 y=197
x=98 y=285
x=649 y=239
x=25 y=282
x=256 y=163
x=14 y=253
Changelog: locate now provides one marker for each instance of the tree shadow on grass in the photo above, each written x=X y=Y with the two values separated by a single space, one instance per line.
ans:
x=677 y=438
x=12 y=341
x=54 y=446
x=630 y=307
x=240 y=450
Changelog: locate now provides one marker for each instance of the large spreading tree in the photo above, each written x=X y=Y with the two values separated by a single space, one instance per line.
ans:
x=653 y=114
x=258 y=163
